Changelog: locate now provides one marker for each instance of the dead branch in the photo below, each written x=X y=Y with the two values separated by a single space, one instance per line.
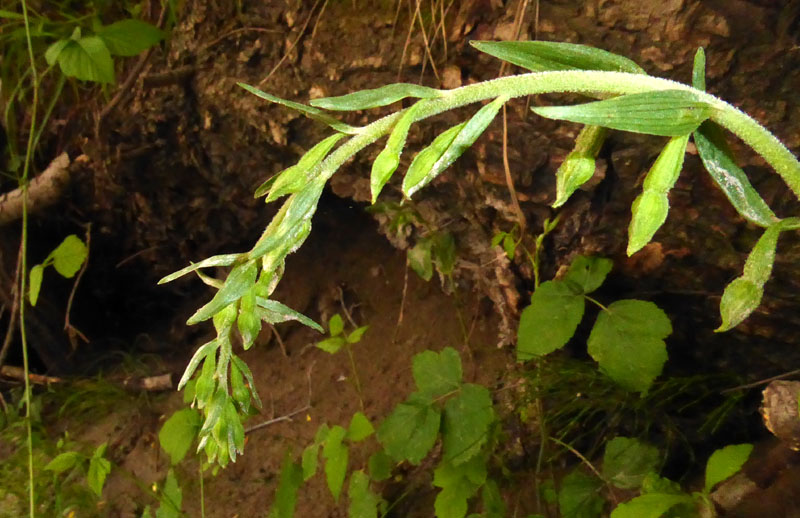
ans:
x=43 y=191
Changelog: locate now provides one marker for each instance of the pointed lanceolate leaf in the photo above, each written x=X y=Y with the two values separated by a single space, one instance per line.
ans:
x=417 y=173
x=627 y=342
x=467 y=418
x=387 y=161
x=579 y=166
x=294 y=178
x=312 y=113
x=726 y=462
x=462 y=141
x=130 y=37
x=667 y=112
x=36 y=275
x=540 y=56
x=374 y=98
x=699 y=70
x=411 y=429
x=437 y=374
x=651 y=207
x=239 y=281
x=64 y=461
x=275 y=312
x=588 y=273
x=217 y=260
x=729 y=177
x=550 y=321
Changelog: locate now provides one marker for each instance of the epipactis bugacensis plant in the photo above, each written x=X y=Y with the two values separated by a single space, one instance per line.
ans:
x=630 y=100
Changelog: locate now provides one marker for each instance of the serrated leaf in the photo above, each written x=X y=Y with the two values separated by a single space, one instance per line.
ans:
x=579 y=496
x=217 y=260
x=669 y=113
x=424 y=160
x=355 y=336
x=376 y=97
x=335 y=325
x=579 y=166
x=336 y=456
x=410 y=431
x=588 y=273
x=360 y=428
x=627 y=342
x=308 y=111
x=437 y=374
x=178 y=433
x=99 y=468
x=380 y=466
x=650 y=208
x=68 y=257
x=37 y=272
x=420 y=258
x=240 y=280
x=286 y=496
x=467 y=418
x=171 y=498
x=467 y=136
x=651 y=505
x=726 y=462
x=275 y=312
x=87 y=59
x=389 y=158
x=718 y=160
x=363 y=502
x=64 y=461
x=540 y=56
x=627 y=461
x=294 y=178
x=130 y=37
x=550 y=320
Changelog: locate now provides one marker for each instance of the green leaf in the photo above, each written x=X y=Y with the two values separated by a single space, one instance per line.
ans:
x=35 y=283
x=355 y=336
x=389 y=158
x=540 y=56
x=418 y=171
x=239 y=281
x=651 y=207
x=87 y=59
x=178 y=433
x=68 y=257
x=651 y=505
x=360 y=428
x=380 y=466
x=217 y=260
x=444 y=252
x=336 y=456
x=627 y=461
x=459 y=484
x=286 y=495
x=294 y=178
x=335 y=325
x=467 y=418
x=374 y=98
x=411 y=429
x=308 y=111
x=699 y=70
x=199 y=355
x=64 y=461
x=627 y=341
x=10 y=15
x=171 y=498
x=311 y=453
x=54 y=50
x=248 y=321
x=726 y=462
x=248 y=375
x=588 y=273
x=493 y=504
x=99 y=468
x=579 y=166
x=420 y=258
x=274 y=312
x=363 y=502
x=729 y=177
x=331 y=345
x=509 y=246
x=669 y=113
x=437 y=374
x=462 y=141
x=550 y=321
x=579 y=496
x=130 y=37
